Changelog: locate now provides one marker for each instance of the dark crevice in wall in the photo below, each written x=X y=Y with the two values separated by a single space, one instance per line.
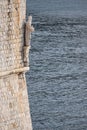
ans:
x=9 y=1
x=9 y=18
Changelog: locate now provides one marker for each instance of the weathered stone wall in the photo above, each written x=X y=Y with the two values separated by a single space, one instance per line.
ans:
x=14 y=107
x=12 y=15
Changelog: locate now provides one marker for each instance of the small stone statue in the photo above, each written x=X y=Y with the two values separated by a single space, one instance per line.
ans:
x=28 y=30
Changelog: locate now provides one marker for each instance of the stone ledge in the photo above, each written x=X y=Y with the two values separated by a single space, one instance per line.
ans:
x=15 y=71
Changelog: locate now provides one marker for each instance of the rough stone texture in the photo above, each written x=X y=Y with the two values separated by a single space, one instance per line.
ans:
x=14 y=106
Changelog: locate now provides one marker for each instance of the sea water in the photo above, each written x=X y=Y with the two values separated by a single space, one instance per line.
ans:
x=57 y=80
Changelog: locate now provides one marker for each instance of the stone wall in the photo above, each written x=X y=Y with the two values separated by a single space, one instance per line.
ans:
x=12 y=15
x=14 y=106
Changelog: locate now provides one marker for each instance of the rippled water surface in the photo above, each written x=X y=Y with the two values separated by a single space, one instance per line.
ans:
x=57 y=80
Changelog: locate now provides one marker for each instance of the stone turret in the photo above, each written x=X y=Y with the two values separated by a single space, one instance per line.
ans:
x=14 y=106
